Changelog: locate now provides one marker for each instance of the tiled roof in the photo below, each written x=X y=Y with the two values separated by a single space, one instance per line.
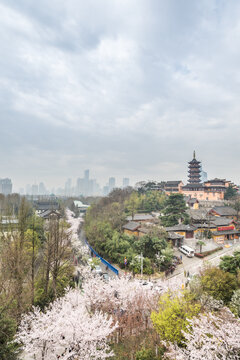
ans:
x=139 y=217
x=131 y=225
x=221 y=221
x=181 y=227
x=173 y=236
x=225 y=210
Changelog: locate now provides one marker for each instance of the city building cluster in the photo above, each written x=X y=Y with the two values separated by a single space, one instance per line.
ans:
x=5 y=186
x=84 y=186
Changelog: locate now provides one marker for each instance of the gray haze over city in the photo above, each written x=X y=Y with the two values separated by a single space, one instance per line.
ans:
x=122 y=88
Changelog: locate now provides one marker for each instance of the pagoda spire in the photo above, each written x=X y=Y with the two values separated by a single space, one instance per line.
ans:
x=194 y=154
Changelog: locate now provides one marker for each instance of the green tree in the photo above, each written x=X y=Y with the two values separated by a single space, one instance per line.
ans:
x=132 y=204
x=164 y=258
x=218 y=283
x=201 y=244
x=231 y=263
x=172 y=316
x=175 y=210
x=8 y=348
x=150 y=245
x=230 y=193
x=148 y=354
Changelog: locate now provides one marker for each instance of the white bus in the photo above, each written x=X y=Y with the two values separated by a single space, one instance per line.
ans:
x=186 y=250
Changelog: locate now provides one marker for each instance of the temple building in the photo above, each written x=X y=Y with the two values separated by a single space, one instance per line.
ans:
x=212 y=190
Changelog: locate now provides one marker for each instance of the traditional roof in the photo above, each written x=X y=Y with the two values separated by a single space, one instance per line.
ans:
x=140 y=217
x=131 y=226
x=216 y=180
x=173 y=236
x=46 y=205
x=204 y=225
x=173 y=183
x=46 y=214
x=224 y=210
x=181 y=227
x=198 y=214
x=221 y=221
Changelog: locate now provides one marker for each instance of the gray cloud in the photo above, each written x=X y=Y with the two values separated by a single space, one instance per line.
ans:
x=125 y=88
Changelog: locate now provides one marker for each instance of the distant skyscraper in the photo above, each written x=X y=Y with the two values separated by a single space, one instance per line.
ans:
x=5 y=186
x=42 y=189
x=111 y=183
x=35 y=189
x=86 y=174
x=125 y=182
x=68 y=185
x=203 y=176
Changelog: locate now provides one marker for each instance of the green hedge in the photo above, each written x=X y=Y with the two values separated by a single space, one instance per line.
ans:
x=206 y=253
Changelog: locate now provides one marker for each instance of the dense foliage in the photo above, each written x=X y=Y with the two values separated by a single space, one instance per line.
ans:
x=174 y=210
x=231 y=263
x=103 y=226
x=35 y=258
x=173 y=316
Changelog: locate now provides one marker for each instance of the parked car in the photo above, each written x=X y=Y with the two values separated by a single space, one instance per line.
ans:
x=186 y=250
x=105 y=276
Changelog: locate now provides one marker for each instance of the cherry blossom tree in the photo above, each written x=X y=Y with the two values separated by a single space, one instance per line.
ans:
x=67 y=330
x=211 y=336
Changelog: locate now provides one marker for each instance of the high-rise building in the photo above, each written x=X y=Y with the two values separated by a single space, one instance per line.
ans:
x=111 y=183
x=42 y=189
x=80 y=186
x=5 y=186
x=68 y=185
x=34 y=189
x=204 y=176
x=86 y=174
x=125 y=182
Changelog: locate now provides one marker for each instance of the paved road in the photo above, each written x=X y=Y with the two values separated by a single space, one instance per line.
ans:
x=193 y=265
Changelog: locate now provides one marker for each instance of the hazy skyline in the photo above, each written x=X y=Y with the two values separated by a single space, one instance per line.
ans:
x=123 y=88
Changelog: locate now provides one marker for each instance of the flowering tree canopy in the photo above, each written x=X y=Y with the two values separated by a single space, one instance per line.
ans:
x=210 y=336
x=66 y=331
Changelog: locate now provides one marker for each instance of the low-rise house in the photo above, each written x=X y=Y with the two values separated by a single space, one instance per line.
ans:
x=131 y=228
x=175 y=239
x=186 y=230
x=225 y=233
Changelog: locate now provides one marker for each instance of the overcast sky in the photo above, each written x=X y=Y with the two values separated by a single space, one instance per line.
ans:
x=121 y=87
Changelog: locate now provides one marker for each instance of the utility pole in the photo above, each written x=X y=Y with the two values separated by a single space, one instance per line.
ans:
x=141 y=264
